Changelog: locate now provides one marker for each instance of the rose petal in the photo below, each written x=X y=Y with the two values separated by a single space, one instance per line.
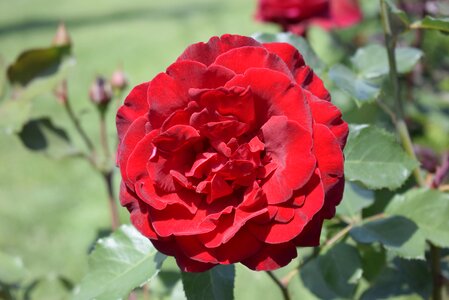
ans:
x=306 y=78
x=289 y=146
x=289 y=54
x=328 y=114
x=271 y=257
x=178 y=221
x=275 y=95
x=169 y=92
x=241 y=59
x=135 y=106
x=136 y=132
x=206 y=53
x=329 y=156
x=138 y=211
x=228 y=226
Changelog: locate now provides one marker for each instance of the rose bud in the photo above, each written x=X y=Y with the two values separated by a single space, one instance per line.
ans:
x=233 y=154
x=61 y=37
x=100 y=92
x=427 y=157
x=118 y=80
x=297 y=15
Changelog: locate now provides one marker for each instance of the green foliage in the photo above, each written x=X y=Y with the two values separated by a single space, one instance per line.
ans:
x=118 y=264
x=215 y=284
x=374 y=158
x=360 y=89
x=401 y=278
x=370 y=64
x=354 y=200
x=251 y=285
x=372 y=61
x=334 y=274
x=325 y=45
x=441 y=24
x=37 y=63
x=41 y=135
x=428 y=209
x=397 y=234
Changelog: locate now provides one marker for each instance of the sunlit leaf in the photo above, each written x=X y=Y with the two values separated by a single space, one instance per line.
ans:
x=354 y=200
x=360 y=89
x=441 y=24
x=374 y=158
x=118 y=264
x=372 y=61
x=429 y=209
x=215 y=284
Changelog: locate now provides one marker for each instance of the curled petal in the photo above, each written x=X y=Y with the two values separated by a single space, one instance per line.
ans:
x=289 y=146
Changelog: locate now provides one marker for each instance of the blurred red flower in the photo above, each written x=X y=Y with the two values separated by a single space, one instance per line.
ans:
x=234 y=154
x=296 y=15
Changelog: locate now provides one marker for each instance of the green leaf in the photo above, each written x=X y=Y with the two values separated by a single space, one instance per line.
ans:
x=401 y=278
x=397 y=234
x=250 y=285
x=298 y=42
x=374 y=260
x=399 y=20
x=14 y=113
x=11 y=269
x=374 y=158
x=41 y=135
x=441 y=24
x=360 y=89
x=118 y=264
x=36 y=63
x=333 y=274
x=215 y=284
x=372 y=61
x=354 y=200
x=429 y=209
x=325 y=45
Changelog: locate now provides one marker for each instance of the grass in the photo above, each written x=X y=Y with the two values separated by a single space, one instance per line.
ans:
x=51 y=211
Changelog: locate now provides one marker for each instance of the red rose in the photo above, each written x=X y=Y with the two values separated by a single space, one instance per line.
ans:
x=297 y=15
x=234 y=154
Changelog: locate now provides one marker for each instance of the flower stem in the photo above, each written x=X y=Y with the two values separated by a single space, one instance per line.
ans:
x=115 y=219
x=282 y=287
x=104 y=137
x=401 y=127
x=79 y=129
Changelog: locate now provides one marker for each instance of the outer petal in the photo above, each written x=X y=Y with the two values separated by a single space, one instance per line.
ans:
x=329 y=156
x=271 y=257
x=206 y=53
x=138 y=210
x=328 y=114
x=135 y=106
x=136 y=132
x=241 y=59
x=289 y=54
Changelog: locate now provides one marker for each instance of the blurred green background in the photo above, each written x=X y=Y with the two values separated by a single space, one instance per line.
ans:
x=51 y=211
